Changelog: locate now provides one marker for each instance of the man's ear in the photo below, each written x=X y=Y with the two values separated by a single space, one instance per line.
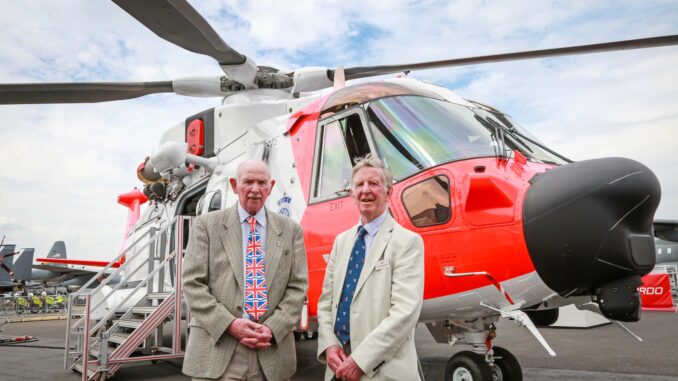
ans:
x=389 y=192
x=234 y=185
x=272 y=183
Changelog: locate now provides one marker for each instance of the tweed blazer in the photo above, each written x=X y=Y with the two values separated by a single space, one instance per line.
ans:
x=213 y=289
x=386 y=303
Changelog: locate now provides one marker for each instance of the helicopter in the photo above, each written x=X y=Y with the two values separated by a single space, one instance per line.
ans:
x=501 y=214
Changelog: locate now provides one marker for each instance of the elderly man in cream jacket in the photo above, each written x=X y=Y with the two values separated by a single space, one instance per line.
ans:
x=373 y=289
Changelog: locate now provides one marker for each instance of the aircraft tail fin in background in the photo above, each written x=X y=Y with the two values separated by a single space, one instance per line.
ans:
x=132 y=201
x=23 y=267
x=58 y=250
x=6 y=260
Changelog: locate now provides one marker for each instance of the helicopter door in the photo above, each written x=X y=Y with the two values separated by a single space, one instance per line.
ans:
x=340 y=140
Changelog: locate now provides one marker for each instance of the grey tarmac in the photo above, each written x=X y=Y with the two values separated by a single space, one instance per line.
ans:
x=601 y=353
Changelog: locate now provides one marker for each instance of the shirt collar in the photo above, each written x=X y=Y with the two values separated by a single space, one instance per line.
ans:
x=260 y=216
x=373 y=226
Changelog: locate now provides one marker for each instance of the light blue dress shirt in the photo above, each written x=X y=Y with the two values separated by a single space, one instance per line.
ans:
x=372 y=228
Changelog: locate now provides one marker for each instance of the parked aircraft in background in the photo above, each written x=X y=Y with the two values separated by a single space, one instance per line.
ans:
x=56 y=274
x=22 y=272
x=666 y=241
x=7 y=254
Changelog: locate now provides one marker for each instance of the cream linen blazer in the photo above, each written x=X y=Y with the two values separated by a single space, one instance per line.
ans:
x=386 y=303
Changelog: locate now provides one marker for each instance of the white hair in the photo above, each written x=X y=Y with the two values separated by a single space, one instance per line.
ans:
x=245 y=163
x=370 y=161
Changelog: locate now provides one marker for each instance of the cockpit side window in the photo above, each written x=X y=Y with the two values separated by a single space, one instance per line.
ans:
x=428 y=202
x=341 y=141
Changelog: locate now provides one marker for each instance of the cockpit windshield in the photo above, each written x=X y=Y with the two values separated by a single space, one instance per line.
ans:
x=413 y=133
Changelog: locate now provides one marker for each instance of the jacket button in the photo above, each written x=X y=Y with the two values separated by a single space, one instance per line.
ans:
x=239 y=308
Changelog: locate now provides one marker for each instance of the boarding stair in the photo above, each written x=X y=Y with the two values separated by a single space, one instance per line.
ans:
x=672 y=271
x=137 y=319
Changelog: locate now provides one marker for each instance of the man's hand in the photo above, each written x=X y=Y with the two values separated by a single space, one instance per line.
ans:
x=241 y=328
x=261 y=341
x=250 y=334
x=349 y=370
x=335 y=356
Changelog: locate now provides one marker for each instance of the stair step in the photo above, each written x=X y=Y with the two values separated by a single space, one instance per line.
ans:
x=130 y=323
x=78 y=366
x=144 y=310
x=118 y=337
x=158 y=295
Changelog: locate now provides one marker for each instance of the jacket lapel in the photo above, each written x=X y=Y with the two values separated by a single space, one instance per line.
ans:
x=377 y=247
x=231 y=240
x=273 y=247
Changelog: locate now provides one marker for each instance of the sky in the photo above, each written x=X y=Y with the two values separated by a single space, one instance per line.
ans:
x=62 y=166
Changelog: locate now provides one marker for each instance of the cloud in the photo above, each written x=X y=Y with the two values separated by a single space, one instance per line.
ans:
x=64 y=165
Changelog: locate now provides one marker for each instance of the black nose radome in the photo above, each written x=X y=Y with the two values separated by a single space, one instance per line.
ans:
x=590 y=223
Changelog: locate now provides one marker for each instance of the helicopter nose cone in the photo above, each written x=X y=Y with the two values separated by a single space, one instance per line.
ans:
x=589 y=224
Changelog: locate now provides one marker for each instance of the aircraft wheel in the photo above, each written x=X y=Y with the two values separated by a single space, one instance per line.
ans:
x=297 y=335
x=467 y=366
x=506 y=366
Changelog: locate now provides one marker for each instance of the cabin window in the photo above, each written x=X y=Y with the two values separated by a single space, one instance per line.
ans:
x=215 y=202
x=201 y=202
x=342 y=140
x=428 y=202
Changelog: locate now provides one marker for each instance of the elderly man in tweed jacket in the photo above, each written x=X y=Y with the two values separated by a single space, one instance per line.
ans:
x=245 y=280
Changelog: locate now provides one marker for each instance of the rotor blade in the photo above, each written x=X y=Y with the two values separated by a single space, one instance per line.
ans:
x=179 y=23
x=33 y=93
x=9 y=271
x=369 y=71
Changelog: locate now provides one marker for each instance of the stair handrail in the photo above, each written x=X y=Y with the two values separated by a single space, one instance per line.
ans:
x=134 y=291
x=124 y=265
x=83 y=290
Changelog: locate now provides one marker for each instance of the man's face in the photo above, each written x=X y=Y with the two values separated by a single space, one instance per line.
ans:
x=369 y=194
x=253 y=187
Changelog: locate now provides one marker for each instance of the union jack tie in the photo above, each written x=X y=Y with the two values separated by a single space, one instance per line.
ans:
x=256 y=302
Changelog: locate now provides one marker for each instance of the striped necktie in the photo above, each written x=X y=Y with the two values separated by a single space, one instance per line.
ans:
x=342 y=323
x=256 y=302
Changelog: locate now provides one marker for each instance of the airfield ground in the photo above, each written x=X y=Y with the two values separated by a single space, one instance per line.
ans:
x=601 y=353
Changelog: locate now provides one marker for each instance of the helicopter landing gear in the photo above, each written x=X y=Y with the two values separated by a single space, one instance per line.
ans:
x=505 y=366
x=471 y=366
x=484 y=362
x=467 y=366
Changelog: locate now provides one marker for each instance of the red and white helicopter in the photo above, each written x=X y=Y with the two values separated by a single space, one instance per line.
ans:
x=511 y=228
